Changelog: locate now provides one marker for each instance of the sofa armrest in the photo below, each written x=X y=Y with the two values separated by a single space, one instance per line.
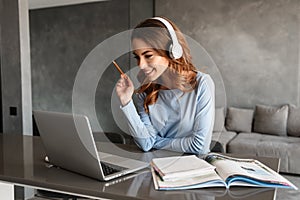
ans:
x=216 y=146
x=223 y=138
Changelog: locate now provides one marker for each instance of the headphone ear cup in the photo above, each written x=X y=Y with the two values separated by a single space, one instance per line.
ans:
x=175 y=51
x=171 y=51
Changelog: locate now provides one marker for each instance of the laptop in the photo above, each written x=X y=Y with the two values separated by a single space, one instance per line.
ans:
x=69 y=144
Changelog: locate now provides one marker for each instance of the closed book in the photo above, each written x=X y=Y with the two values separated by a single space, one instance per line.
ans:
x=179 y=167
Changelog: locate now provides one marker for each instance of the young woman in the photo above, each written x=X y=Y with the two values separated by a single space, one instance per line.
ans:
x=175 y=103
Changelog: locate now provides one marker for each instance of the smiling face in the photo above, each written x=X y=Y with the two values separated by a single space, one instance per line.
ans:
x=150 y=62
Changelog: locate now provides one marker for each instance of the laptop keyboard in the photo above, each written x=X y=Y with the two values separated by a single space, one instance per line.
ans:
x=110 y=169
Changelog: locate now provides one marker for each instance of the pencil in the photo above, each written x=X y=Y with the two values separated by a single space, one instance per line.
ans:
x=118 y=67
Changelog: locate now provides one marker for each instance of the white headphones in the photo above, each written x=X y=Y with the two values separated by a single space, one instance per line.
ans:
x=175 y=49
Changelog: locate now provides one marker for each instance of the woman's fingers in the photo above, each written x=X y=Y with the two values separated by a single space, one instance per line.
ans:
x=124 y=89
x=126 y=80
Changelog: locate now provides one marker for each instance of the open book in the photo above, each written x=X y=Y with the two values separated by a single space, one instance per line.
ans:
x=225 y=171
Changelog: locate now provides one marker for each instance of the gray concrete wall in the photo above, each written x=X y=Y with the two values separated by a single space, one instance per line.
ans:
x=254 y=43
x=62 y=37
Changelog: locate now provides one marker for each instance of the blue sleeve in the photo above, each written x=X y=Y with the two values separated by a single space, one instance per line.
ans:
x=199 y=140
x=140 y=126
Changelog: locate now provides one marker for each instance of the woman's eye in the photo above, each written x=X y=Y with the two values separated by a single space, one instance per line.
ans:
x=148 y=56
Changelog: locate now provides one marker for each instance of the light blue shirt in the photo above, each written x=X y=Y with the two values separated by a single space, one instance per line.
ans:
x=178 y=121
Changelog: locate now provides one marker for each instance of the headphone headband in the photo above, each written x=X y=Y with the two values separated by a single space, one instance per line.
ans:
x=175 y=48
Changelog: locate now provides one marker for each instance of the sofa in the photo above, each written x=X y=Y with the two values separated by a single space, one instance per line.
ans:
x=269 y=131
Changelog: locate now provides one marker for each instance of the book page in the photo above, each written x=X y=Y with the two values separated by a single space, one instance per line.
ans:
x=225 y=166
x=233 y=167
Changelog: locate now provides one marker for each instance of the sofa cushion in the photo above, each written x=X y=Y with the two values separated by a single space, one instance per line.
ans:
x=293 y=125
x=270 y=120
x=239 y=120
x=285 y=148
x=219 y=120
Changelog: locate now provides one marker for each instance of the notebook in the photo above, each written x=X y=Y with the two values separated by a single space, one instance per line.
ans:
x=69 y=144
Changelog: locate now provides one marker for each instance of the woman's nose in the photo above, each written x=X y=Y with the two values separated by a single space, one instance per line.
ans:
x=142 y=63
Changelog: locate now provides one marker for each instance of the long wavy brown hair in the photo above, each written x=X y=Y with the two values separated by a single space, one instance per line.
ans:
x=181 y=71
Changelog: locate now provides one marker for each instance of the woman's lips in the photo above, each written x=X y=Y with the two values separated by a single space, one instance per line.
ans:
x=148 y=72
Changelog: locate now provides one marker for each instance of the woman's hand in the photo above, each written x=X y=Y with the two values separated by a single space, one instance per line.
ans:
x=124 y=89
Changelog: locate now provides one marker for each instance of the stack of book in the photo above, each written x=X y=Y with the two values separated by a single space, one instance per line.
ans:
x=215 y=170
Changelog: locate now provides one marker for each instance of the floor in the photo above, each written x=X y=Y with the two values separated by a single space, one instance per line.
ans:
x=284 y=194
